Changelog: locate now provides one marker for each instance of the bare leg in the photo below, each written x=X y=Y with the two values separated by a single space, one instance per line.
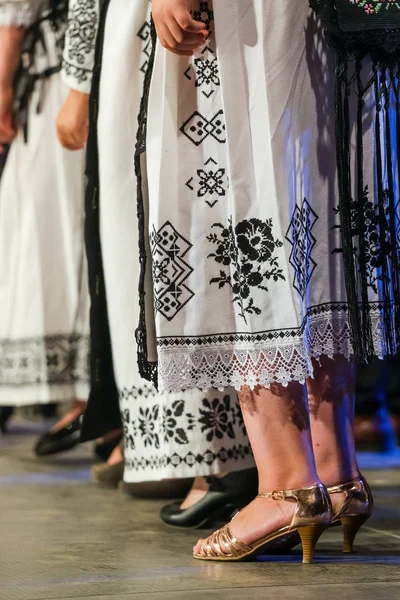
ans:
x=331 y=396
x=277 y=423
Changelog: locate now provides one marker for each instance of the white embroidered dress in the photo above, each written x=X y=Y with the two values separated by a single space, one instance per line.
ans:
x=245 y=249
x=43 y=290
x=166 y=436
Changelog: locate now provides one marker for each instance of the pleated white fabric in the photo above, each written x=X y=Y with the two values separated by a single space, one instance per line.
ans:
x=167 y=436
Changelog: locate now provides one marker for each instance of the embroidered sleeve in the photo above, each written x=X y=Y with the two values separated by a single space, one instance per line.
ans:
x=80 y=41
x=20 y=13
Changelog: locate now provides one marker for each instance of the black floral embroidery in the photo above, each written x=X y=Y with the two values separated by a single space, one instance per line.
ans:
x=217 y=418
x=171 y=419
x=376 y=244
x=81 y=39
x=147 y=426
x=205 y=14
x=248 y=249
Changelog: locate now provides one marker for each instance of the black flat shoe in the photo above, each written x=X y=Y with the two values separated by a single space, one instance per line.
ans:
x=104 y=451
x=60 y=441
x=225 y=497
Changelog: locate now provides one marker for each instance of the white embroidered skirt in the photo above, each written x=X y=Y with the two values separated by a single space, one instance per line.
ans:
x=245 y=245
x=44 y=301
x=166 y=436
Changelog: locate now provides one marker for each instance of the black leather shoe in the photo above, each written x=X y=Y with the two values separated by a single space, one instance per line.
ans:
x=60 y=441
x=224 y=498
x=104 y=451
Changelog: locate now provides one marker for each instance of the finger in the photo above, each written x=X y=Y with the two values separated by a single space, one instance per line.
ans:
x=184 y=37
x=187 y=23
x=167 y=40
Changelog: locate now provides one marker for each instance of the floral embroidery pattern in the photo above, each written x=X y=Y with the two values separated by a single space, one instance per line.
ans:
x=170 y=420
x=376 y=244
x=161 y=432
x=81 y=39
x=248 y=250
x=372 y=7
x=218 y=418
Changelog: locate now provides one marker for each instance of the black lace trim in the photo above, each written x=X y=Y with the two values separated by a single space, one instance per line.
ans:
x=147 y=369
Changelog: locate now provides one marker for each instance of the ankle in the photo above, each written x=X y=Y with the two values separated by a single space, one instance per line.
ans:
x=335 y=475
x=295 y=481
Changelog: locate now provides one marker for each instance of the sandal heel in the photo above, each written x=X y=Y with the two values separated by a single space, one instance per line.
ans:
x=351 y=526
x=309 y=537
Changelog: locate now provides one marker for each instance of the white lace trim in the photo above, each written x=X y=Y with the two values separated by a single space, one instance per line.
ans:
x=281 y=360
x=17 y=14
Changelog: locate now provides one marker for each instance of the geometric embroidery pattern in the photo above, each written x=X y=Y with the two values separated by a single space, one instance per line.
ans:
x=206 y=71
x=170 y=271
x=144 y=34
x=211 y=182
x=197 y=128
x=299 y=235
x=205 y=14
x=49 y=360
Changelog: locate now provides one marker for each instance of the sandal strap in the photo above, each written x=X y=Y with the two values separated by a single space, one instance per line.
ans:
x=282 y=495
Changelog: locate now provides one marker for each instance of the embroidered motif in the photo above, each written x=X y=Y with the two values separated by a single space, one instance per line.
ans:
x=206 y=72
x=197 y=128
x=211 y=182
x=144 y=34
x=248 y=250
x=205 y=14
x=161 y=432
x=82 y=32
x=299 y=235
x=377 y=247
x=51 y=360
x=218 y=418
x=372 y=7
x=170 y=271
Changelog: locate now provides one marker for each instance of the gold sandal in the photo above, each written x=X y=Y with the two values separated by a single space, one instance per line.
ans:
x=355 y=510
x=311 y=517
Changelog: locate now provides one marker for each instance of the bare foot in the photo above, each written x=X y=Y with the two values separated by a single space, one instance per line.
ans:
x=76 y=410
x=257 y=520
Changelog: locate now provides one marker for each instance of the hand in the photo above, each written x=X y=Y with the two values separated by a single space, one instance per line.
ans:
x=7 y=131
x=177 y=31
x=73 y=121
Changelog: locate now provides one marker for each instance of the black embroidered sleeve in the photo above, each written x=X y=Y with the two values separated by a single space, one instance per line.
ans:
x=80 y=44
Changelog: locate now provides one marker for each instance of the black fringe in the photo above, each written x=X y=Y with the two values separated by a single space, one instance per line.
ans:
x=370 y=226
x=147 y=369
